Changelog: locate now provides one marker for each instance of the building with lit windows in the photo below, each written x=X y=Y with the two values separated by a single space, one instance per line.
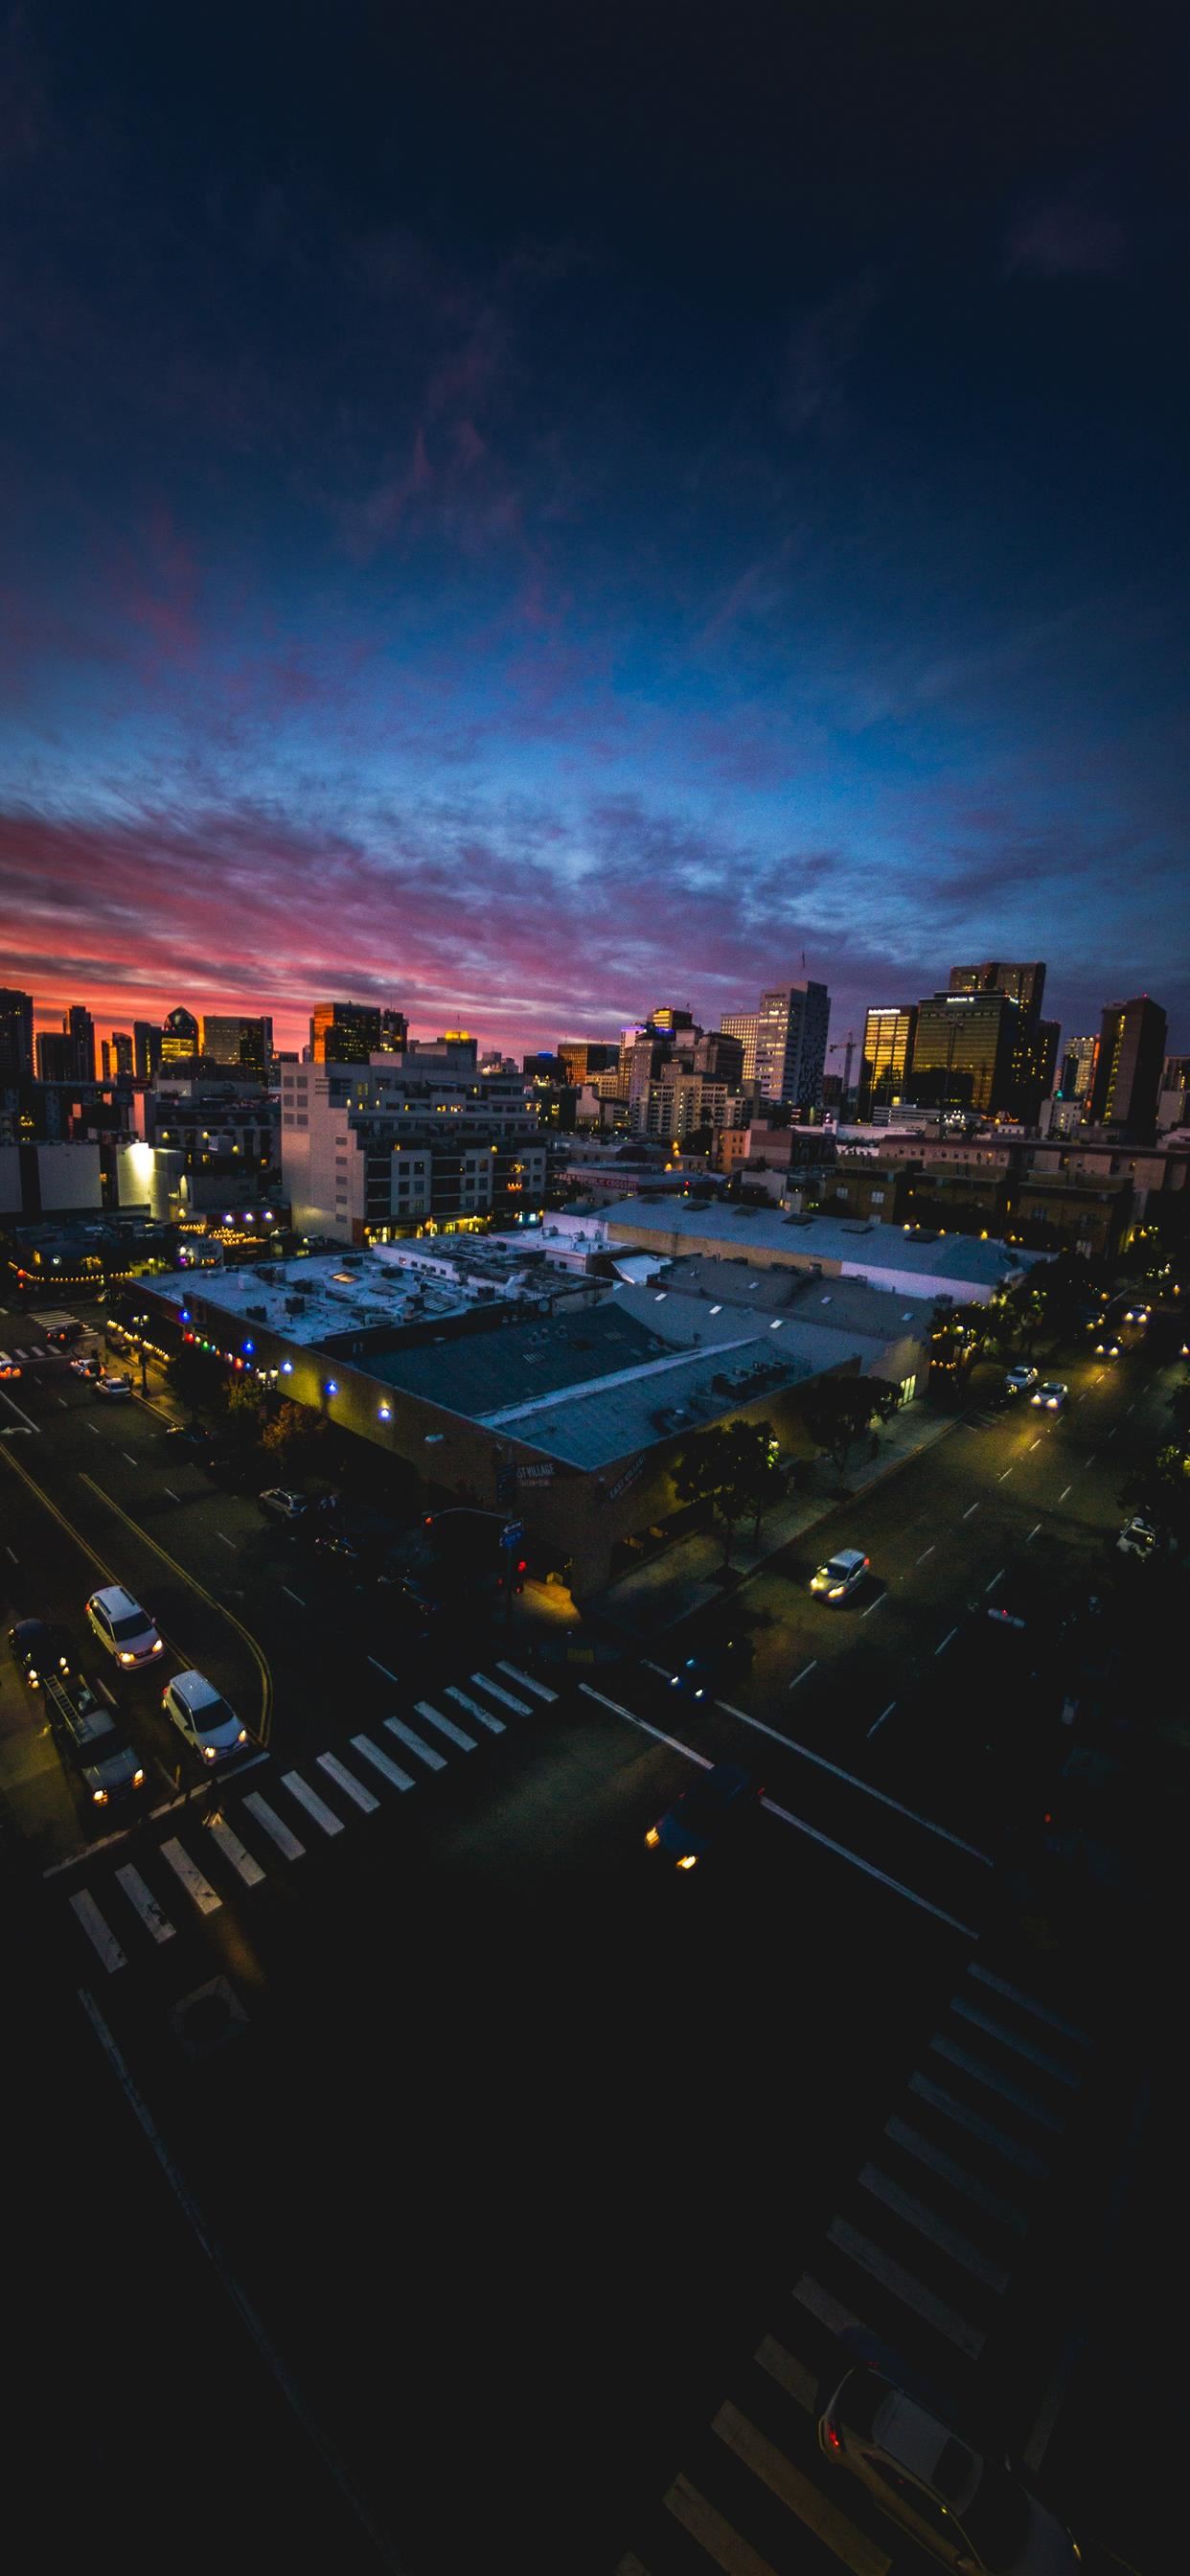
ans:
x=1128 y=1065
x=350 y=1032
x=409 y=1143
x=887 y=1058
x=239 y=1042
x=179 y=1037
x=791 y=1033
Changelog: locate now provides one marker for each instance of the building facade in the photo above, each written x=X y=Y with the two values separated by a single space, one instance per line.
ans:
x=791 y=1034
x=1128 y=1063
x=887 y=1058
x=421 y=1141
x=16 y=1037
x=351 y=1032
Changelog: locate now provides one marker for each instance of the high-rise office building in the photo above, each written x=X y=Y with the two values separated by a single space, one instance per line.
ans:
x=146 y=1050
x=55 y=1056
x=583 y=1058
x=967 y=1052
x=791 y=1030
x=1078 y=1064
x=16 y=1036
x=887 y=1057
x=1024 y=985
x=743 y=1025
x=1043 y=1063
x=350 y=1032
x=1128 y=1063
x=122 y=1053
x=179 y=1037
x=244 y=1044
x=80 y=1029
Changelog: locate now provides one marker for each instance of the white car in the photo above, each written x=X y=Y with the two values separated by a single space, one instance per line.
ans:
x=90 y=1366
x=123 y=1627
x=1050 y=1395
x=287 y=1506
x=841 y=1575
x=967 y=2512
x=115 y=1387
x=203 y=1716
x=1139 y=1538
x=1018 y=1380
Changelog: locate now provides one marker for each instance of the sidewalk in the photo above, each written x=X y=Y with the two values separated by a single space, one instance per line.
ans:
x=682 y=1578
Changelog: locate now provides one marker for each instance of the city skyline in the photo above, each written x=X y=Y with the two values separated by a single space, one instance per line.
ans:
x=514 y=584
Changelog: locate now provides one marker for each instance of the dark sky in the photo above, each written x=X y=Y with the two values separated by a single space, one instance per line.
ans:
x=534 y=513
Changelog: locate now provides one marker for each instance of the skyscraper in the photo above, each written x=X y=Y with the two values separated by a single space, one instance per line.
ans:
x=1077 y=1067
x=146 y=1050
x=16 y=1036
x=967 y=1052
x=80 y=1029
x=55 y=1056
x=179 y=1037
x=350 y=1032
x=122 y=1052
x=791 y=1027
x=1127 y=1076
x=1024 y=985
x=743 y=1025
x=887 y=1058
x=246 y=1044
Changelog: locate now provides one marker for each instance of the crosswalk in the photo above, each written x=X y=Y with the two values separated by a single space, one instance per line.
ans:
x=912 y=2273
x=121 y=1914
x=13 y=1359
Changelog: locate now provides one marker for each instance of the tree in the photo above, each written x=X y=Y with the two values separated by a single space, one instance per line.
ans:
x=838 y=1410
x=733 y=1466
x=290 y=1432
x=197 y=1377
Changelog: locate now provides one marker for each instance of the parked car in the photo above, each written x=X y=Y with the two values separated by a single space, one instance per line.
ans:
x=118 y=1389
x=1050 y=1395
x=841 y=1575
x=189 y=1440
x=109 y=1767
x=123 y=1627
x=966 y=2511
x=704 y=1813
x=39 y=1650
x=698 y=1673
x=1019 y=1379
x=1139 y=1538
x=91 y=1366
x=280 y=1500
x=203 y=1716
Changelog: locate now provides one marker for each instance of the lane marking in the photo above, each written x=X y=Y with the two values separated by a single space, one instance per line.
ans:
x=229 y=1844
x=947 y=1640
x=274 y=1826
x=800 y=1677
x=1112 y=1433
x=520 y=1707
x=851 y=1779
x=914 y=2213
x=224 y=1541
x=1024 y=2159
x=1029 y=2004
x=293 y=1596
x=996 y=1578
x=793 y=2489
x=981 y=2073
x=379 y=1760
x=1091 y=1460
x=445 y=1725
x=1062 y=1496
x=22 y=1416
x=145 y=1902
x=911 y=2292
x=62 y=1401
x=927 y=1551
x=346 y=1780
x=168 y=1489
x=101 y=1937
x=485 y=1717
x=874 y=1605
x=127 y=1453
x=1020 y=2046
x=527 y=1682
x=1007 y=1472
x=315 y=1806
x=427 y=1752
x=1033 y=1532
x=380 y=1668
x=196 y=1886
x=790 y=2373
x=1035 y=1444
x=856 y=1862
x=878 y=1722
x=711 y=2532
x=93 y=1427
x=968 y=2185
x=971 y=1507
x=12 y=1553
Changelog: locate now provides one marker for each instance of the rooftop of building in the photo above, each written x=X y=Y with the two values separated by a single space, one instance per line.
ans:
x=312 y=1297
x=866 y=1247
x=705 y=1300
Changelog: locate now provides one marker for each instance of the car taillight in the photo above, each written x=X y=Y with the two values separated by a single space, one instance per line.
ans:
x=832 y=2436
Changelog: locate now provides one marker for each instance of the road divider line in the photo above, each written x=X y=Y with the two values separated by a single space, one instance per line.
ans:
x=93 y=1428
x=1033 y=1532
x=380 y=1668
x=11 y=1552
x=293 y=1596
x=168 y=1489
x=874 y=1605
x=798 y=1677
x=947 y=1641
x=971 y=1507
x=225 y=1541
x=127 y=1453
x=1035 y=1444
x=867 y=1866
x=1062 y=1496
x=62 y=1401
x=1091 y=1460
x=852 y=1780
x=927 y=1551
x=996 y=1578
x=879 y=1721
x=1007 y=1472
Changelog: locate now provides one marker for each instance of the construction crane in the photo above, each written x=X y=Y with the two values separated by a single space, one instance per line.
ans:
x=846 y=1048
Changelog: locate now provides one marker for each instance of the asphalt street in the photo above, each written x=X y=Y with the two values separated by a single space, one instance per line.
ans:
x=500 y=2131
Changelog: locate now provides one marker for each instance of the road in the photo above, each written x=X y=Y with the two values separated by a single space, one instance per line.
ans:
x=501 y=2134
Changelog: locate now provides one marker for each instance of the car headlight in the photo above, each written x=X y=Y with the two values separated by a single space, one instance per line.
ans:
x=687 y=1860
x=157 y=1648
x=125 y=1657
x=100 y=1797
x=208 y=1753
x=242 y=1737
x=836 y=1592
x=34 y=1683
x=674 y=1679
x=138 y=1779
x=652 y=1837
x=700 y=1691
